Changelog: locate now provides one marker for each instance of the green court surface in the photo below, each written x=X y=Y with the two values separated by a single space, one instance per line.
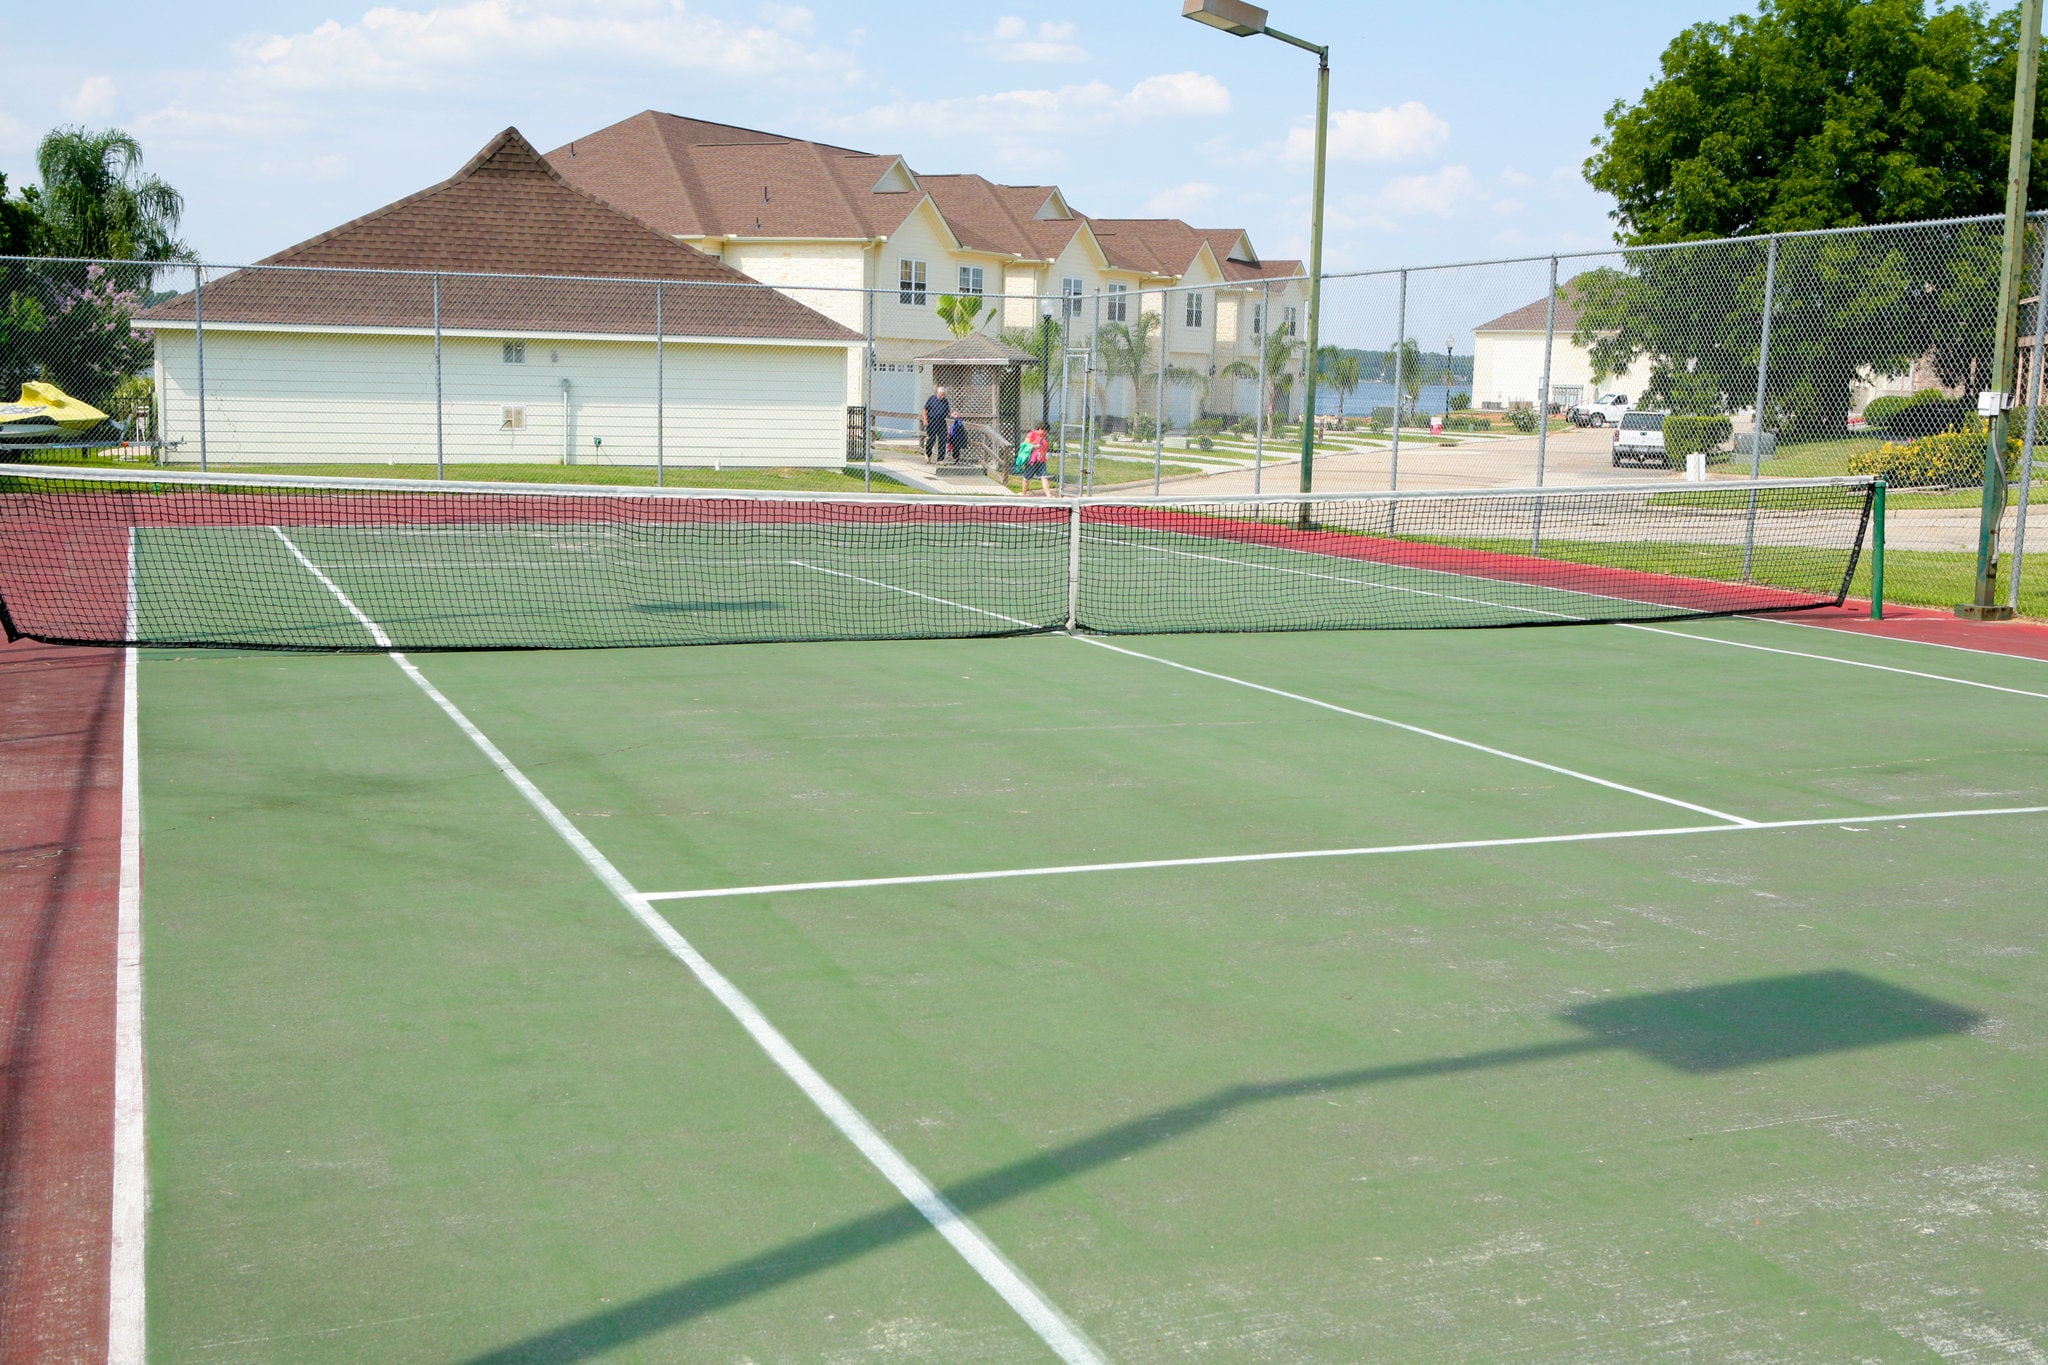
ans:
x=422 y=1088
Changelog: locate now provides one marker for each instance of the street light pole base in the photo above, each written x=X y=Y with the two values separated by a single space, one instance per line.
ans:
x=1977 y=611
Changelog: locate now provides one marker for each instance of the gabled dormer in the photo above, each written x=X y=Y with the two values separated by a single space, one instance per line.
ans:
x=1055 y=206
x=896 y=180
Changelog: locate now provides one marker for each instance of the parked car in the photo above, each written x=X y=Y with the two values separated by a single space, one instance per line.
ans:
x=1607 y=412
x=1640 y=440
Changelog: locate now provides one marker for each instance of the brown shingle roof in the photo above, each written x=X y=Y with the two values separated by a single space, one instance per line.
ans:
x=509 y=213
x=690 y=178
x=1529 y=317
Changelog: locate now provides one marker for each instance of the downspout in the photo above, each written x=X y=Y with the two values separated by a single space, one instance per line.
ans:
x=568 y=423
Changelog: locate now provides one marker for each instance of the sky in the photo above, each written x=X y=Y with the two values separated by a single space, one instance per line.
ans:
x=1457 y=130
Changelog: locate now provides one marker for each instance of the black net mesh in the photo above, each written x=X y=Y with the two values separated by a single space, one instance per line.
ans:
x=106 y=557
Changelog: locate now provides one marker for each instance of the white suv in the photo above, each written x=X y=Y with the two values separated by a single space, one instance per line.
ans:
x=1640 y=440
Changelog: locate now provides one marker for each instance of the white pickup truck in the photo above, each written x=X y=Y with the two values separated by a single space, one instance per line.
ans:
x=1608 y=412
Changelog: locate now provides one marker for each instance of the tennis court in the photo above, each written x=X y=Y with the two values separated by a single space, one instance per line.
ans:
x=1664 y=989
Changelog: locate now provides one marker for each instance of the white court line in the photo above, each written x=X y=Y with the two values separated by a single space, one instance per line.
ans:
x=1832 y=659
x=1895 y=639
x=913 y=592
x=125 y=1287
x=1294 y=855
x=1025 y=1298
x=1432 y=734
x=1311 y=701
x=1567 y=616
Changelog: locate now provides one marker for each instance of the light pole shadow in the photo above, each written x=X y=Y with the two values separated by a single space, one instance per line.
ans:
x=1697 y=1031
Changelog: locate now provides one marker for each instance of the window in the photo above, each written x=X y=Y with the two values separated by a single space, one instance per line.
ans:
x=1070 y=290
x=1118 y=306
x=514 y=419
x=515 y=353
x=910 y=282
x=1287 y=322
x=1193 y=313
x=970 y=279
x=1258 y=319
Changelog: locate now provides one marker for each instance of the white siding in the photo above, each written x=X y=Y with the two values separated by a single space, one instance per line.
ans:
x=1507 y=368
x=322 y=398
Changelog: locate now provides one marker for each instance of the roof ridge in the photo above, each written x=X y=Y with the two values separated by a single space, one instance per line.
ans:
x=469 y=168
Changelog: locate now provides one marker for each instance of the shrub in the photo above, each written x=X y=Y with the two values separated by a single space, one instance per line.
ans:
x=1925 y=413
x=1523 y=419
x=1685 y=434
x=1946 y=459
x=1460 y=400
x=1211 y=424
x=1146 y=427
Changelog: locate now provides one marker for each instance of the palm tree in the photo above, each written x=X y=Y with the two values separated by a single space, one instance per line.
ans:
x=1125 y=349
x=96 y=202
x=1044 y=343
x=1341 y=372
x=1411 y=375
x=960 y=312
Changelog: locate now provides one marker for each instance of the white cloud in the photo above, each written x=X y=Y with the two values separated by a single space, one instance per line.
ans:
x=1446 y=193
x=15 y=136
x=1182 y=201
x=1041 y=113
x=1013 y=41
x=93 y=100
x=1516 y=179
x=495 y=42
x=1394 y=133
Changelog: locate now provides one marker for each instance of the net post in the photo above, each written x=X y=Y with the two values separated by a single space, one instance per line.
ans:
x=440 y=450
x=1876 y=551
x=1074 y=565
x=660 y=393
x=199 y=351
x=1756 y=426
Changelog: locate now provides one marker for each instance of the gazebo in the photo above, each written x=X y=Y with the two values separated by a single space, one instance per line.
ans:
x=984 y=382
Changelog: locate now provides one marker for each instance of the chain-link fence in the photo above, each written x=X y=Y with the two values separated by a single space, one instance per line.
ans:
x=1854 y=351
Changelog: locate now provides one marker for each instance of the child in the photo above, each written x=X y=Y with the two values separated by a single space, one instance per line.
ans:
x=956 y=441
x=1034 y=463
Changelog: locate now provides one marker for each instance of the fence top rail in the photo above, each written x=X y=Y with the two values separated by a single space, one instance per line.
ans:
x=931 y=291
x=312 y=483
x=1758 y=238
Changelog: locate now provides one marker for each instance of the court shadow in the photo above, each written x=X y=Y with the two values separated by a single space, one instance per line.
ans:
x=1697 y=1031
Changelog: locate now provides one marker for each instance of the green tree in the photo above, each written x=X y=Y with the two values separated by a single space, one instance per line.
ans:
x=1808 y=114
x=96 y=202
x=1341 y=370
x=1281 y=349
x=1126 y=348
x=1045 y=344
x=959 y=312
x=1412 y=376
x=20 y=222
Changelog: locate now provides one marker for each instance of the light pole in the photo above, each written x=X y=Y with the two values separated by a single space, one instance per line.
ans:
x=1449 y=344
x=1984 y=604
x=1242 y=21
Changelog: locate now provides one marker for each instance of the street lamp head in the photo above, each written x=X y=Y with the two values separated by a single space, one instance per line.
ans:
x=1232 y=16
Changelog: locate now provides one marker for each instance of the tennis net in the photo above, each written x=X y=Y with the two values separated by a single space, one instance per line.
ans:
x=108 y=556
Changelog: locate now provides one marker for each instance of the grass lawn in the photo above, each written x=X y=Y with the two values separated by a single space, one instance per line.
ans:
x=846 y=480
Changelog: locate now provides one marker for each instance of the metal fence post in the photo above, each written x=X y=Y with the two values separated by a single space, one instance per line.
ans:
x=1400 y=355
x=1159 y=408
x=199 y=350
x=660 y=392
x=1265 y=338
x=867 y=394
x=440 y=451
x=2019 y=530
x=1543 y=406
x=1756 y=428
